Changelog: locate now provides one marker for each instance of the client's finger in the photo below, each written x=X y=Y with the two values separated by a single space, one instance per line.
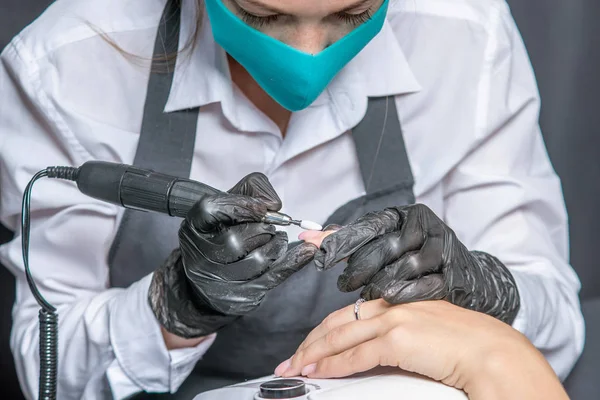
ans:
x=314 y=237
x=358 y=359
x=341 y=317
x=336 y=319
x=335 y=342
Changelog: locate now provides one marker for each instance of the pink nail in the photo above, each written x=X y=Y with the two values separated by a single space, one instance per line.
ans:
x=302 y=235
x=309 y=369
x=284 y=366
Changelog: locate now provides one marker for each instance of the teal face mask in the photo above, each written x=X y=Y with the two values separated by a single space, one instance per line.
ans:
x=291 y=77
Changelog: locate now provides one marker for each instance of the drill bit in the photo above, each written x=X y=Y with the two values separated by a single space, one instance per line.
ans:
x=281 y=219
x=308 y=225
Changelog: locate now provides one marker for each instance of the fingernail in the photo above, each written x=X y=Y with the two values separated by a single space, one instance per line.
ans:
x=309 y=369
x=283 y=367
x=302 y=236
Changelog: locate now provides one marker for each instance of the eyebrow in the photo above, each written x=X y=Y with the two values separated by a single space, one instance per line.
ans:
x=258 y=4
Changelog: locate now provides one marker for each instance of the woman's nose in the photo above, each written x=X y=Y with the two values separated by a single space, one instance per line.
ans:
x=309 y=38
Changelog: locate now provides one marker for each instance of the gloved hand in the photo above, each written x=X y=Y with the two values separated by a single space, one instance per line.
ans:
x=407 y=254
x=227 y=261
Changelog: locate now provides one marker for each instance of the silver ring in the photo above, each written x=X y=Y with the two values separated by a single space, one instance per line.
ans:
x=357 y=308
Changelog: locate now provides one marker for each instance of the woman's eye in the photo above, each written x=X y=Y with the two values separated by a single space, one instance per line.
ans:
x=354 y=19
x=255 y=20
x=261 y=21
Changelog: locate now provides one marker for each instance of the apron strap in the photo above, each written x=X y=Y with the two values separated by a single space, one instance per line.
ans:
x=383 y=161
x=380 y=148
x=166 y=145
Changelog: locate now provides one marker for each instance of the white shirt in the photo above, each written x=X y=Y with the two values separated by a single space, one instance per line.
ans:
x=468 y=104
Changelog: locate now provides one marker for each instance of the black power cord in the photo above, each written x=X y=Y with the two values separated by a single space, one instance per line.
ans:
x=48 y=316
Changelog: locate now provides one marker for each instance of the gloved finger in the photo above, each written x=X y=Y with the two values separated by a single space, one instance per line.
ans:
x=240 y=294
x=374 y=256
x=212 y=213
x=257 y=185
x=246 y=269
x=377 y=285
x=235 y=242
x=412 y=265
x=289 y=263
x=266 y=255
x=350 y=238
x=332 y=227
x=428 y=259
x=430 y=287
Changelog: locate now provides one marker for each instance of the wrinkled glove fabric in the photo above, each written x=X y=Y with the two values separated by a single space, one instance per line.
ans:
x=227 y=261
x=408 y=254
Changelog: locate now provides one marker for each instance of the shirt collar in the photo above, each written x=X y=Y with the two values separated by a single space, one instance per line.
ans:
x=202 y=73
x=380 y=69
x=202 y=76
x=383 y=66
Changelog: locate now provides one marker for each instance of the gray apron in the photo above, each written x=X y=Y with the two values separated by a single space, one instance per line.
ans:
x=255 y=344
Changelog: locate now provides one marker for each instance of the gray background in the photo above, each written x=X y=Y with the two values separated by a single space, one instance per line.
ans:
x=563 y=39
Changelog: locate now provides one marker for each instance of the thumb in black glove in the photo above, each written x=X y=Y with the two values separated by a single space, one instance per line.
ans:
x=227 y=262
x=407 y=254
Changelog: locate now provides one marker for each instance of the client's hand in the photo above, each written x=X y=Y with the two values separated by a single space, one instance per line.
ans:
x=461 y=348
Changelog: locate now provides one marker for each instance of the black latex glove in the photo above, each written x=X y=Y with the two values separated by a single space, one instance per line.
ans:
x=407 y=254
x=227 y=261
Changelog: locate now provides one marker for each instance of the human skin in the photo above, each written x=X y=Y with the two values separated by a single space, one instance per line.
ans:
x=470 y=351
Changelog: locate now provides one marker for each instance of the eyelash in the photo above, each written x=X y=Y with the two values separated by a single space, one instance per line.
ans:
x=256 y=21
x=352 y=19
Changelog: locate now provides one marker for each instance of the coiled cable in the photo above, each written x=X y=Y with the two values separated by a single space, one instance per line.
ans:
x=48 y=354
x=48 y=316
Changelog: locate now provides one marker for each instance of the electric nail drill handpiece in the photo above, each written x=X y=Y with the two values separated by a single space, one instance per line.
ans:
x=146 y=190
